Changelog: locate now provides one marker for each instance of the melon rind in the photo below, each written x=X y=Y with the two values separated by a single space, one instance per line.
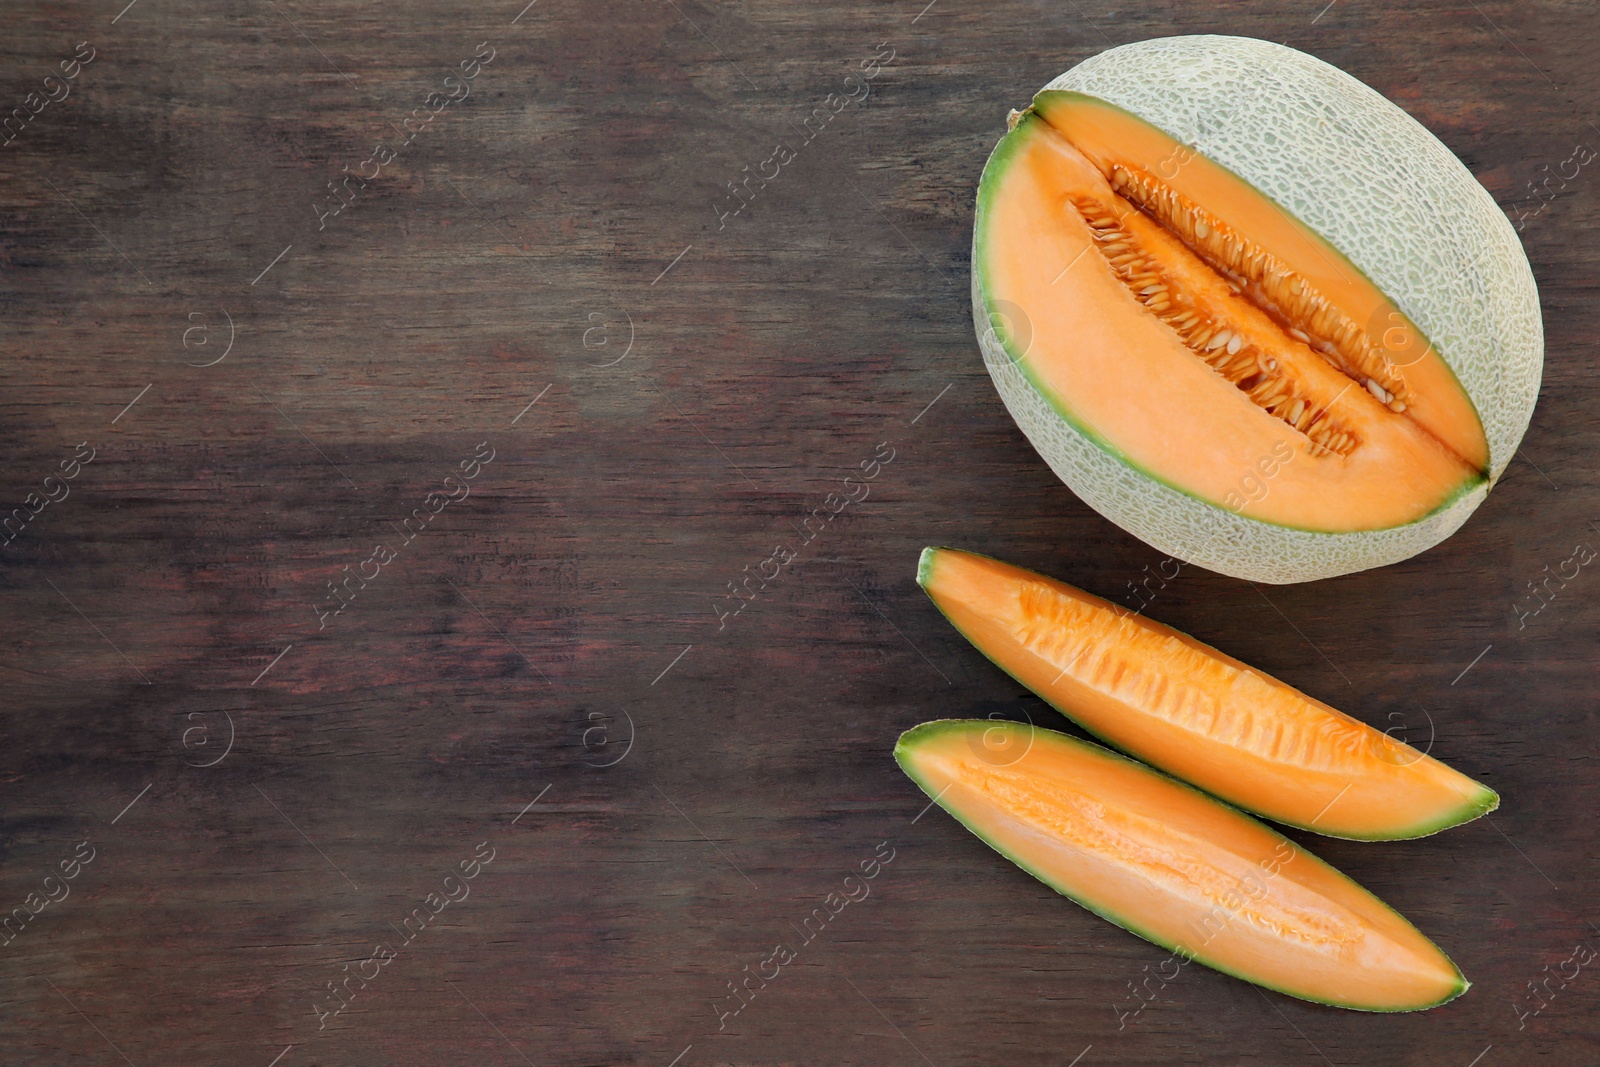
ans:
x=1378 y=187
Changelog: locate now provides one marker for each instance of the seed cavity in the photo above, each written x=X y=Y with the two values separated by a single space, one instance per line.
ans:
x=1283 y=294
x=1254 y=371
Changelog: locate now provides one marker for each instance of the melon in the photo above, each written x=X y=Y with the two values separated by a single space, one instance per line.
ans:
x=1175 y=866
x=1250 y=311
x=1196 y=713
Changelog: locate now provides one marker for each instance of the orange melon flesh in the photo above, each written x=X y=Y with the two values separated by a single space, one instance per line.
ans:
x=1136 y=326
x=1399 y=356
x=1175 y=866
x=1195 y=713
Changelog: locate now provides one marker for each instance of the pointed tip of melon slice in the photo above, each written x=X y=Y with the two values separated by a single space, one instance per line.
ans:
x=1479 y=802
x=925 y=569
x=1460 y=986
x=905 y=744
x=1487 y=800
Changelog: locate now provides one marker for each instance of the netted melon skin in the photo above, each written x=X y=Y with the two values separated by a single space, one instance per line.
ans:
x=1381 y=189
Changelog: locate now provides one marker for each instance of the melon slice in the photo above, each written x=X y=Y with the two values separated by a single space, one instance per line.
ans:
x=1195 y=713
x=1174 y=866
x=1251 y=311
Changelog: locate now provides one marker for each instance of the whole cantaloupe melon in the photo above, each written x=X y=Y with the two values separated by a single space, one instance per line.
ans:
x=1250 y=311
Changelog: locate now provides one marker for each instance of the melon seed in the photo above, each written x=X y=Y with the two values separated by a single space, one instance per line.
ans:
x=1254 y=273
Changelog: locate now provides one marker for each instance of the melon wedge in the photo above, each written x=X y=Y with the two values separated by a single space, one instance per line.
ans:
x=1174 y=866
x=1196 y=713
x=1250 y=311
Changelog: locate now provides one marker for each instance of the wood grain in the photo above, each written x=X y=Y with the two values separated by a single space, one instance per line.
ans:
x=551 y=633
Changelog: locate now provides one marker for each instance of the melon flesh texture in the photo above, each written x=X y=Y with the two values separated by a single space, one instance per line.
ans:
x=1186 y=324
x=1196 y=713
x=1281 y=264
x=1176 y=867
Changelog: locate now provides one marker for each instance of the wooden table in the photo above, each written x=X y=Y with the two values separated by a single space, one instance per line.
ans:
x=534 y=396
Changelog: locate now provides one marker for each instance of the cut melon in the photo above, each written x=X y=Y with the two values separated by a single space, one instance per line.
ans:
x=1195 y=713
x=1250 y=311
x=1174 y=866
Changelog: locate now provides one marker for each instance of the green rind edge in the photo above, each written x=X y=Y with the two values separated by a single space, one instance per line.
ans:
x=1475 y=807
x=909 y=738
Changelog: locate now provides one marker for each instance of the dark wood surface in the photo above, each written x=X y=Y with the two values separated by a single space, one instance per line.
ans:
x=553 y=635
